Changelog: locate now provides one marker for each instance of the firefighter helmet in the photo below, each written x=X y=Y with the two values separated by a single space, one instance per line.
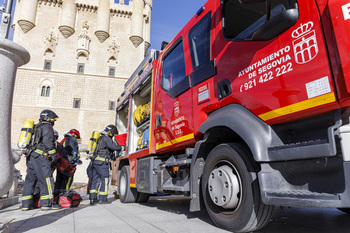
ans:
x=111 y=130
x=48 y=115
x=75 y=133
x=55 y=134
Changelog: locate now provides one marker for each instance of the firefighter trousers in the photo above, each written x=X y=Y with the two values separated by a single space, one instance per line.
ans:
x=62 y=182
x=100 y=173
x=38 y=171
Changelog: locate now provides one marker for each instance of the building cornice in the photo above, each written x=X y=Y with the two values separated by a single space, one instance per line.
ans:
x=70 y=73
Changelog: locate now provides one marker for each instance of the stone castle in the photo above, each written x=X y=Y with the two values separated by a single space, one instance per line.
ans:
x=82 y=53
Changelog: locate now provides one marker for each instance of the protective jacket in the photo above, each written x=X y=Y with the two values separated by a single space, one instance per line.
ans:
x=70 y=144
x=39 y=164
x=70 y=153
x=100 y=166
x=105 y=149
x=45 y=142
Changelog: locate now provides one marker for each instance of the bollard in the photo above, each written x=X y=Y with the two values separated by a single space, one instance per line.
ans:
x=12 y=56
x=14 y=189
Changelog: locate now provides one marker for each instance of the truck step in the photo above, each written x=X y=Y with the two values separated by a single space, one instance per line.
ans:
x=303 y=150
x=301 y=198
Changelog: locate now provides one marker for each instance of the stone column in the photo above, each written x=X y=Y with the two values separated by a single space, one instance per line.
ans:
x=11 y=56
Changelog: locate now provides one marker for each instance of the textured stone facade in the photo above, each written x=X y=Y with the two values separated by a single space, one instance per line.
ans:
x=82 y=53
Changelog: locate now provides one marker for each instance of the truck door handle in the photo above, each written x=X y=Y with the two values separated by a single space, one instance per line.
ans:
x=158 y=121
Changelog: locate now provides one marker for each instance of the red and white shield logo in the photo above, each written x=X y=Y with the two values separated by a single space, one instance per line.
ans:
x=305 y=46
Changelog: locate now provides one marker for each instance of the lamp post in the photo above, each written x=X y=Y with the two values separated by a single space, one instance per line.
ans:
x=12 y=56
x=5 y=19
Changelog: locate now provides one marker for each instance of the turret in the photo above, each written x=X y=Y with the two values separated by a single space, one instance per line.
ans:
x=147 y=35
x=68 y=17
x=28 y=14
x=103 y=17
x=136 y=35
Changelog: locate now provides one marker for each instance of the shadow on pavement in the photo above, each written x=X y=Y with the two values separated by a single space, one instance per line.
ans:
x=286 y=220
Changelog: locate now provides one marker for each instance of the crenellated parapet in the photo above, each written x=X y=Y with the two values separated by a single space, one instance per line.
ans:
x=51 y=2
x=121 y=13
x=86 y=7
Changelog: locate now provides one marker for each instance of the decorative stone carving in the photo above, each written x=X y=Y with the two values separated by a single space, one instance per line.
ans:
x=113 y=49
x=84 y=42
x=51 y=43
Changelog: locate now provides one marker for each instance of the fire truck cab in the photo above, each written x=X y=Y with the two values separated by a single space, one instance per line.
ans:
x=247 y=108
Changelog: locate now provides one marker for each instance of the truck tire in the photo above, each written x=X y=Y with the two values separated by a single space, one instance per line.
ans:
x=126 y=194
x=142 y=197
x=231 y=191
x=345 y=210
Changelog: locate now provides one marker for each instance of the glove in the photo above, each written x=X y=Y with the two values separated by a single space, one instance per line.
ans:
x=76 y=160
x=123 y=148
x=53 y=159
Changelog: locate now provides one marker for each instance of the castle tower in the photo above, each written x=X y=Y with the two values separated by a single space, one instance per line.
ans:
x=147 y=36
x=68 y=17
x=102 y=27
x=28 y=14
x=82 y=53
x=136 y=35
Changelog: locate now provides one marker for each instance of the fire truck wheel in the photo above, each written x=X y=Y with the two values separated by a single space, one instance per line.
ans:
x=345 y=210
x=126 y=194
x=231 y=191
x=142 y=197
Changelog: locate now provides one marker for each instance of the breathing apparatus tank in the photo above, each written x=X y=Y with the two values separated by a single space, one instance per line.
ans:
x=26 y=134
x=93 y=141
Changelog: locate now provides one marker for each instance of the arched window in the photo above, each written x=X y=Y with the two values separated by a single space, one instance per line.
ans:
x=45 y=91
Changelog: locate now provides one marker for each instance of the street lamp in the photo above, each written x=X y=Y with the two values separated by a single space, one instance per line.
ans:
x=5 y=19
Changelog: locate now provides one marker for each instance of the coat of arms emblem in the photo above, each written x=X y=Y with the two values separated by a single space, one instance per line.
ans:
x=305 y=45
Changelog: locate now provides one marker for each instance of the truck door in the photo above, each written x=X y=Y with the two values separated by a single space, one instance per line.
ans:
x=173 y=100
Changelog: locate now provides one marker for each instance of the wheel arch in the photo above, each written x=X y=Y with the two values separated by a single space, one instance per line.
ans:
x=122 y=163
x=239 y=124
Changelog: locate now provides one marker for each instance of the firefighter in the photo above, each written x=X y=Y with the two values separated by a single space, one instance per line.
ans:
x=55 y=135
x=40 y=157
x=101 y=163
x=71 y=153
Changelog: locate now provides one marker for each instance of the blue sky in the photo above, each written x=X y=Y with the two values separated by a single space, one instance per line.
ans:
x=168 y=17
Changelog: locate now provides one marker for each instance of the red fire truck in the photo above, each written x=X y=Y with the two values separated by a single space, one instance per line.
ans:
x=247 y=108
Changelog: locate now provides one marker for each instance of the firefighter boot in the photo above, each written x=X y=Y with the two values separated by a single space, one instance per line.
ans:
x=93 y=201
x=31 y=207
x=104 y=202
x=54 y=206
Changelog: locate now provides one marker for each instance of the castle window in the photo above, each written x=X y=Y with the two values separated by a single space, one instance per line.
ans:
x=111 y=105
x=125 y=2
x=81 y=67
x=76 y=102
x=47 y=65
x=111 y=71
x=45 y=91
